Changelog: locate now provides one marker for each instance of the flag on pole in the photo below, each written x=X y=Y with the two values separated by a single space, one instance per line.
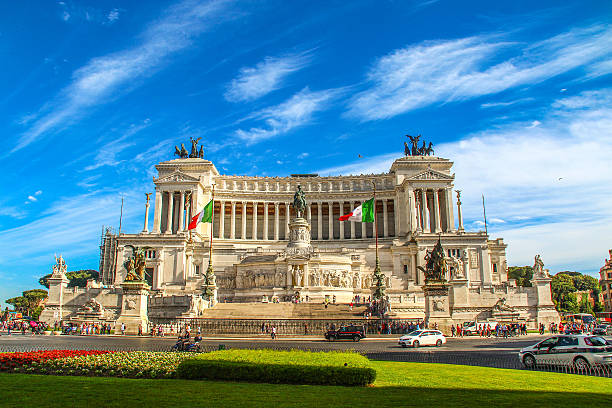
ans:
x=363 y=213
x=203 y=216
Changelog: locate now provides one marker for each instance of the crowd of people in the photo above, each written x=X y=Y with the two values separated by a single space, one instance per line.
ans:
x=485 y=330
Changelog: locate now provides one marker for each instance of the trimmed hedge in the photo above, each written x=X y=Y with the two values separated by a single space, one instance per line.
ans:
x=288 y=367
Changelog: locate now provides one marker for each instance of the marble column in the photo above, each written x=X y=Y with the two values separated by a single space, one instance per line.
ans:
x=265 y=209
x=287 y=220
x=221 y=219
x=330 y=219
x=276 y=222
x=449 y=210
x=319 y=220
x=309 y=216
x=396 y=219
x=364 y=231
x=459 y=215
x=169 y=217
x=413 y=267
x=233 y=221
x=244 y=220
x=425 y=211
x=437 y=212
x=146 y=220
x=385 y=218
x=182 y=212
x=158 y=208
x=254 y=220
x=352 y=222
x=341 y=223
x=416 y=217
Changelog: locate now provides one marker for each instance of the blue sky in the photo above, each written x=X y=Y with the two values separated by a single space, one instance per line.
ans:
x=93 y=94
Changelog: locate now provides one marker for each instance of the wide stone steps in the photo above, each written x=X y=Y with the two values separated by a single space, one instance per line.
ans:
x=283 y=311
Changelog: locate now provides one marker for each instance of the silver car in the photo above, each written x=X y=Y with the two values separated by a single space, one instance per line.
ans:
x=579 y=351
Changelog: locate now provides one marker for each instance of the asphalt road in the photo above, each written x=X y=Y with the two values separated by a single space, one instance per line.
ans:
x=489 y=352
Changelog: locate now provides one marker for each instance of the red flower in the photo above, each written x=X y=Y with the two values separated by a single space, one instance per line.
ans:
x=9 y=361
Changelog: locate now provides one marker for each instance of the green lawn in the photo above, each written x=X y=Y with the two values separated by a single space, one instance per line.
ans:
x=397 y=385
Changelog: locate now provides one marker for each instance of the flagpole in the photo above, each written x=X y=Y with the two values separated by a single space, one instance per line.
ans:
x=484 y=213
x=212 y=227
x=375 y=221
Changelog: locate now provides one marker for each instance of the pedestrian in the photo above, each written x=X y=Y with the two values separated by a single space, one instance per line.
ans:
x=140 y=329
x=453 y=331
x=273 y=332
x=122 y=329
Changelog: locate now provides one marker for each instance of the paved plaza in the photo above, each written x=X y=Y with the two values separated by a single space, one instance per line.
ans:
x=491 y=352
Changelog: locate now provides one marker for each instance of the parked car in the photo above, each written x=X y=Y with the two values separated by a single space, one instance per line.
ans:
x=602 y=330
x=422 y=337
x=579 y=351
x=354 y=333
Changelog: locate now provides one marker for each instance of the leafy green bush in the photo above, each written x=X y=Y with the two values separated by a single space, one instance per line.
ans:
x=272 y=366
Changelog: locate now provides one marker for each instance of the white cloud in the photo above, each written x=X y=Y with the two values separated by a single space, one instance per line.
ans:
x=535 y=123
x=518 y=170
x=71 y=226
x=302 y=155
x=504 y=104
x=267 y=76
x=113 y=15
x=295 y=112
x=65 y=16
x=454 y=70
x=37 y=193
x=102 y=78
x=107 y=154
x=32 y=198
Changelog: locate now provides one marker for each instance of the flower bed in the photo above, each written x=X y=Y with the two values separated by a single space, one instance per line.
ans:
x=14 y=361
x=133 y=364
x=293 y=367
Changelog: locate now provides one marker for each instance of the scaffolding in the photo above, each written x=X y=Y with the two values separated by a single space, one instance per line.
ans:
x=108 y=255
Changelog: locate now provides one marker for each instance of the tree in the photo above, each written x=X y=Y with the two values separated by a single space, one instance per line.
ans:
x=522 y=275
x=562 y=287
x=76 y=278
x=30 y=302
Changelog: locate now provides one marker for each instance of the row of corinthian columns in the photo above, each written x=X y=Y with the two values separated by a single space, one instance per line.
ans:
x=229 y=206
x=425 y=213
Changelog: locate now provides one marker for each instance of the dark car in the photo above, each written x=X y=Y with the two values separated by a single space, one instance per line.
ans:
x=354 y=333
x=602 y=330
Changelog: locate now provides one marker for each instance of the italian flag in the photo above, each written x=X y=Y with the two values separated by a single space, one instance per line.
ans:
x=363 y=213
x=203 y=216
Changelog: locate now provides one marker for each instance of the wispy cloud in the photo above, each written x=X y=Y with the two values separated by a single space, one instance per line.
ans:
x=70 y=226
x=447 y=71
x=295 y=112
x=107 y=154
x=267 y=76
x=104 y=77
x=547 y=183
x=508 y=103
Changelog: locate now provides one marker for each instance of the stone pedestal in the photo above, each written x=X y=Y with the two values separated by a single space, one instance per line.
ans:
x=546 y=312
x=53 y=311
x=437 y=305
x=299 y=237
x=134 y=307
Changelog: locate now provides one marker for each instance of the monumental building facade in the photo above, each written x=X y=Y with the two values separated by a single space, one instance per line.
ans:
x=256 y=259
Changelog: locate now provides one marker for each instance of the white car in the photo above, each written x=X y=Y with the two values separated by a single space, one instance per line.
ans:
x=579 y=351
x=423 y=337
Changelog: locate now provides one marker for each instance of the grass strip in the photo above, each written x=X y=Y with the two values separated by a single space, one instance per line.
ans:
x=398 y=384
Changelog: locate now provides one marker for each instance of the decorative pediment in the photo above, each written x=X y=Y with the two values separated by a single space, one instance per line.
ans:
x=177 y=176
x=430 y=174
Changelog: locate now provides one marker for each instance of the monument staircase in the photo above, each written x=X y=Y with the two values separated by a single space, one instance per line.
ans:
x=260 y=310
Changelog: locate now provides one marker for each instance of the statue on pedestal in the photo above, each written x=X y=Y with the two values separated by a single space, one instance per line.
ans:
x=538 y=268
x=135 y=265
x=59 y=269
x=435 y=267
x=299 y=202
